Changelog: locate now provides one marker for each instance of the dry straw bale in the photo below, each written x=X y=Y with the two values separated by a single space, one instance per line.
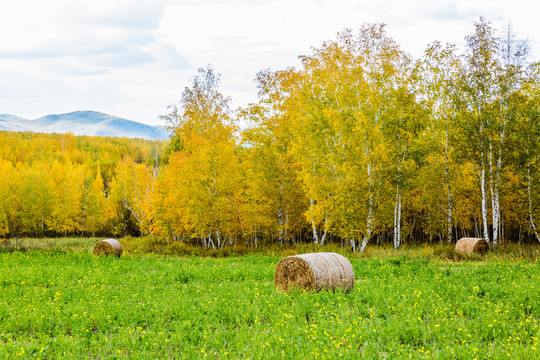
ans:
x=316 y=271
x=108 y=247
x=472 y=246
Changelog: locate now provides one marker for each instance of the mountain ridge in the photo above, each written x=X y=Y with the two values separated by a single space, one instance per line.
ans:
x=86 y=122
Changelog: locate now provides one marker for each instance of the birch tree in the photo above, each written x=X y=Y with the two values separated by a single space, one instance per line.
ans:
x=529 y=135
x=439 y=71
x=492 y=76
x=349 y=92
x=511 y=79
x=478 y=92
x=204 y=164
x=271 y=139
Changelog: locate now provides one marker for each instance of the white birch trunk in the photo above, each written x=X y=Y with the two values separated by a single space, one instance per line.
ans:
x=218 y=237
x=496 y=213
x=370 y=218
x=397 y=219
x=449 y=216
x=484 y=203
x=313 y=224
x=448 y=191
x=285 y=232
x=280 y=214
x=497 y=208
x=256 y=240
x=494 y=189
x=323 y=238
x=397 y=206
x=280 y=224
x=533 y=226
x=483 y=183
x=210 y=241
x=369 y=226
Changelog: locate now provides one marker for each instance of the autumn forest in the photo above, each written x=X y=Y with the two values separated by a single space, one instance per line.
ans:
x=361 y=144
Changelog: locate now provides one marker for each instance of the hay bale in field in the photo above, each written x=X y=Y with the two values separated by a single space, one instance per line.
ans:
x=108 y=247
x=472 y=246
x=316 y=271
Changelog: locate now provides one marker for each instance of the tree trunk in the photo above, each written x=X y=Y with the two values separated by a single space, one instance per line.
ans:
x=484 y=203
x=353 y=245
x=364 y=244
x=280 y=215
x=210 y=241
x=313 y=224
x=397 y=206
x=370 y=217
x=218 y=237
x=325 y=233
x=256 y=240
x=397 y=219
x=531 y=221
x=286 y=230
x=494 y=189
x=449 y=190
x=449 y=216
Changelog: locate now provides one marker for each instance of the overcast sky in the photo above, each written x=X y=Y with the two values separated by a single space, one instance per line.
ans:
x=133 y=58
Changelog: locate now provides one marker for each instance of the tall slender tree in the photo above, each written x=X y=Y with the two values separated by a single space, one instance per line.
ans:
x=204 y=165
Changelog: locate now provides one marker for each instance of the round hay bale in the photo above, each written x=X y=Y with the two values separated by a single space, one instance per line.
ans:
x=108 y=247
x=472 y=246
x=316 y=271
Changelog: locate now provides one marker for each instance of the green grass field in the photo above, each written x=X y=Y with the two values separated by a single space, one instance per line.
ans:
x=68 y=304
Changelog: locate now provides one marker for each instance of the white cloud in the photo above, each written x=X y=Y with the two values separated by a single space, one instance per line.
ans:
x=132 y=58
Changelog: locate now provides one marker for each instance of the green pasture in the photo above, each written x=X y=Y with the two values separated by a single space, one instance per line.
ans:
x=69 y=304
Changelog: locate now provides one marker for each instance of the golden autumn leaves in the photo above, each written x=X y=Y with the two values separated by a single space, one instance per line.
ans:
x=361 y=143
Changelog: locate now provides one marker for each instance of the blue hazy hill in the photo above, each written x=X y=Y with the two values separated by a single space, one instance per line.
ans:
x=91 y=123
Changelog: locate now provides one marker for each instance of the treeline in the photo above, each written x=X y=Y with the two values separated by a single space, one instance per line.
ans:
x=361 y=144
x=59 y=185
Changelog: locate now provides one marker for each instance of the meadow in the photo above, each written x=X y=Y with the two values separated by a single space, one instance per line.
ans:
x=69 y=304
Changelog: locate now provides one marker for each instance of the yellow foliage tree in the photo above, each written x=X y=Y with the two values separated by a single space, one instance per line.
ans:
x=201 y=188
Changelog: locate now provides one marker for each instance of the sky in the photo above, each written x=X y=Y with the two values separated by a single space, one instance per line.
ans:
x=133 y=58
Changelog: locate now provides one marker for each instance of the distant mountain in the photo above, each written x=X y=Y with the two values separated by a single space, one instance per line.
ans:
x=12 y=123
x=91 y=123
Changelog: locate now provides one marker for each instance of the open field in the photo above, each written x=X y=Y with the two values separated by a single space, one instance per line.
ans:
x=63 y=304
